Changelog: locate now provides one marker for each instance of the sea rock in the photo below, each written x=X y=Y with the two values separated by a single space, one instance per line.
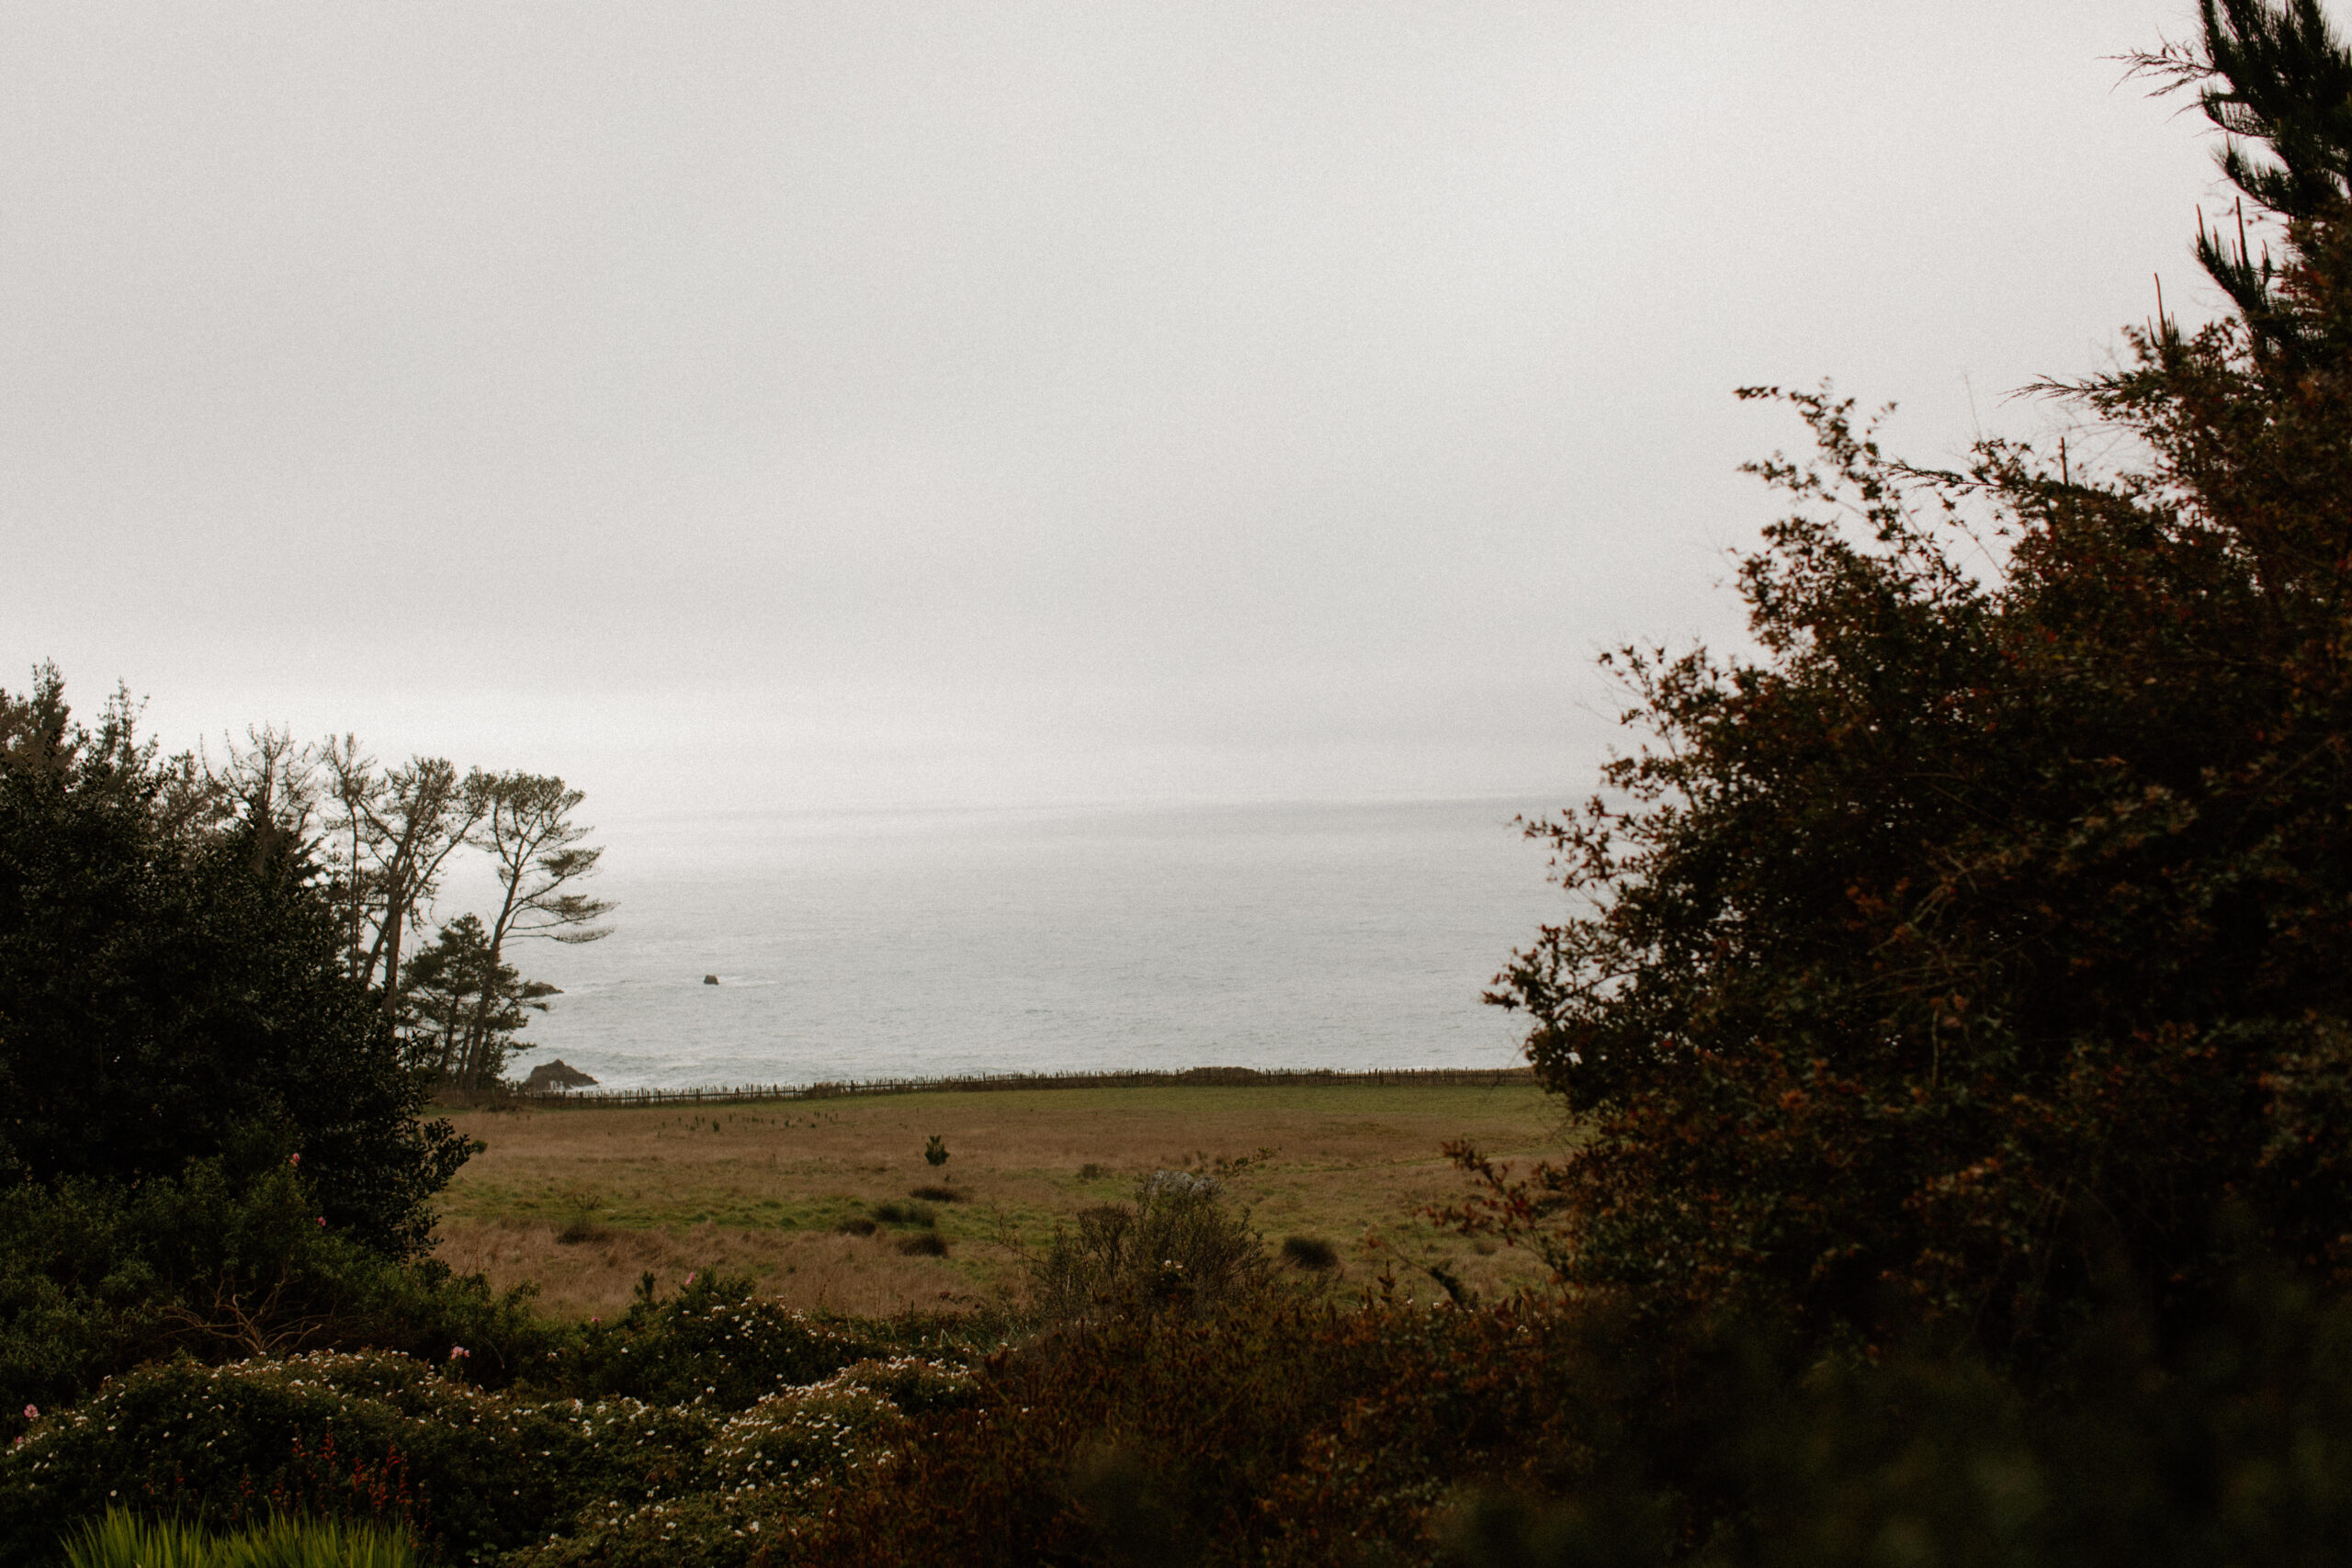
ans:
x=711 y=979
x=550 y=1077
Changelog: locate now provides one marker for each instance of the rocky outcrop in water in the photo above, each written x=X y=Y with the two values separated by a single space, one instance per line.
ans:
x=556 y=1075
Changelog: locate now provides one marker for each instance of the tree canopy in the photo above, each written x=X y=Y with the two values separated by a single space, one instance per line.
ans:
x=1983 y=942
x=174 y=983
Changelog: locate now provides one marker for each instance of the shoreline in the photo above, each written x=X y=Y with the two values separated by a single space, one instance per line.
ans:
x=1194 y=1078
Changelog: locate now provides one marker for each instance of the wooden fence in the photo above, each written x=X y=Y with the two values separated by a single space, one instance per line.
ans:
x=1470 y=1078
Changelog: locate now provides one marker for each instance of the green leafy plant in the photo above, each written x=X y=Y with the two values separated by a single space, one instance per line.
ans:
x=711 y=1343
x=219 y=1263
x=1970 y=940
x=121 y=1540
x=373 y=1437
x=1177 y=1245
x=934 y=1151
x=174 y=978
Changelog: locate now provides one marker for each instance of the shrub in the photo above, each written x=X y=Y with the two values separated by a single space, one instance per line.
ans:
x=938 y=1194
x=580 y=1208
x=2234 y=1446
x=712 y=1344
x=174 y=983
x=1976 y=934
x=95 y=1278
x=1523 y=1435
x=1292 y=1436
x=934 y=1151
x=1310 y=1252
x=906 y=1214
x=774 y=1470
x=376 y=1437
x=929 y=1244
x=1176 y=1247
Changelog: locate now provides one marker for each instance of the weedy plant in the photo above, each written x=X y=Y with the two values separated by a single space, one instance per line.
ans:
x=1310 y=1252
x=580 y=1207
x=1177 y=1245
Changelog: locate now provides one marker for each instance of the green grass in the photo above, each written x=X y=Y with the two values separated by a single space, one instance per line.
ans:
x=1358 y=1165
x=123 y=1539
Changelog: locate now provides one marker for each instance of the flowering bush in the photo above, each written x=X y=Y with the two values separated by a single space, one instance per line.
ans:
x=772 y=1471
x=370 y=1434
x=220 y=1264
x=713 y=1342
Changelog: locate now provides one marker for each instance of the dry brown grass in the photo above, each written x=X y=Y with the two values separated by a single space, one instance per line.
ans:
x=762 y=1189
x=814 y=1269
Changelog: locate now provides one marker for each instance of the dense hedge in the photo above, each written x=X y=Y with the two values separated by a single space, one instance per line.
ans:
x=173 y=983
x=96 y=1277
x=469 y=1471
x=715 y=1428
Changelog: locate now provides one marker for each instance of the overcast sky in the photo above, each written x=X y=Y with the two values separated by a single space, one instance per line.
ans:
x=735 y=406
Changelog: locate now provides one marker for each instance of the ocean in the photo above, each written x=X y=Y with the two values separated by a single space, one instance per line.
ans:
x=864 y=945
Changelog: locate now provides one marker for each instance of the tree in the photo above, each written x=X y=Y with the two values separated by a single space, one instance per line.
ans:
x=1963 y=954
x=460 y=1006
x=173 y=984
x=527 y=828
x=394 y=830
x=2280 y=79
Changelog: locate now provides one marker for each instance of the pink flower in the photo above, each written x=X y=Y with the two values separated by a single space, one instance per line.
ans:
x=293 y=1159
x=690 y=1279
x=32 y=1412
x=457 y=1352
x=322 y=1222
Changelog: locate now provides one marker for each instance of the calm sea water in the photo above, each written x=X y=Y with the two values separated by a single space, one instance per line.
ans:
x=936 y=943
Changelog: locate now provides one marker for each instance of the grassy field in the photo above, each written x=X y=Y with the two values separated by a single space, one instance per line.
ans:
x=585 y=1202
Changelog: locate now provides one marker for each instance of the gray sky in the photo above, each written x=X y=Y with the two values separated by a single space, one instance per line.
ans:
x=771 y=404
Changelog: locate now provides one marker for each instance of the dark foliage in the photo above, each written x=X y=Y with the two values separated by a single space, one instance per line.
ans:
x=1995 y=923
x=460 y=1003
x=712 y=1342
x=217 y=1265
x=1309 y=1252
x=1176 y=1248
x=707 y=1406
x=1523 y=1436
x=372 y=1436
x=1301 y=1435
x=2276 y=79
x=171 y=987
